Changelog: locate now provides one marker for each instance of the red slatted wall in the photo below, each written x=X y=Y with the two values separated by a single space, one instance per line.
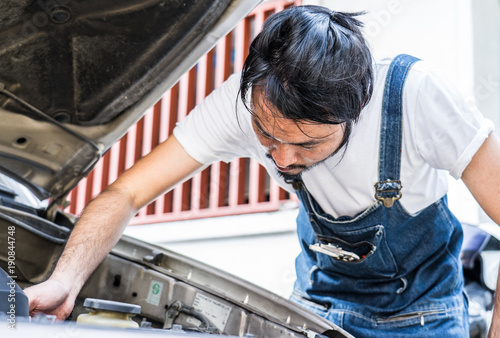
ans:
x=241 y=186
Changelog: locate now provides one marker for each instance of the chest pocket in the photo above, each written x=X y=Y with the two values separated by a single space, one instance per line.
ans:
x=358 y=253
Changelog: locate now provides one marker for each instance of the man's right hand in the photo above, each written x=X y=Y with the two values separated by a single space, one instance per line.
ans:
x=50 y=297
x=102 y=222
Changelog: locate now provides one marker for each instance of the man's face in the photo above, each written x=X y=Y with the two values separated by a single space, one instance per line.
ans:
x=294 y=146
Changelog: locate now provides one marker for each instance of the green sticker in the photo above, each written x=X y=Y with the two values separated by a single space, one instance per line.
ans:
x=155 y=288
x=155 y=291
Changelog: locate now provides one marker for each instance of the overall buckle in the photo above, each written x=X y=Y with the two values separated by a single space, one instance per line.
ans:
x=390 y=186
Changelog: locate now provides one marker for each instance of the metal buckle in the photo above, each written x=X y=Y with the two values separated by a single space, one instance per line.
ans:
x=388 y=201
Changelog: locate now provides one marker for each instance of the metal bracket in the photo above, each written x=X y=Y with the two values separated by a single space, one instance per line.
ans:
x=155 y=258
x=179 y=307
x=388 y=187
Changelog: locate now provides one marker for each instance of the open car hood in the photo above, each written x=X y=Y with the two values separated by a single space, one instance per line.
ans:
x=76 y=75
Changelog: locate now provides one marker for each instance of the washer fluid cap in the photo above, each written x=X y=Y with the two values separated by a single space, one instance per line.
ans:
x=109 y=305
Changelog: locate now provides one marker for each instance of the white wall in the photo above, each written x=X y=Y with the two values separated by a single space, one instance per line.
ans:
x=486 y=51
x=439 y=31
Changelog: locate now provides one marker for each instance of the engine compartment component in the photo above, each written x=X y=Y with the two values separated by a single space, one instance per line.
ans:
x=109 y=313
x=174 y=292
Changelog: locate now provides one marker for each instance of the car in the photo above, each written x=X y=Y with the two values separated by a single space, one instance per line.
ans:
x=74 y=77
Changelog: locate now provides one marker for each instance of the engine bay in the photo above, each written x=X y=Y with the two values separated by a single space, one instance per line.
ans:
x=175 y=293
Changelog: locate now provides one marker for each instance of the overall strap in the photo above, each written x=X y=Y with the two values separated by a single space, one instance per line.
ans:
x=388 y=189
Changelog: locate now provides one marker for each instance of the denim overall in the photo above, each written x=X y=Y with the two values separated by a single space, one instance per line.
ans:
x=391 y=274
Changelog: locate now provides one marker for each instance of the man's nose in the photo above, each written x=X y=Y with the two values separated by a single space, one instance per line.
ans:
x=284 y=155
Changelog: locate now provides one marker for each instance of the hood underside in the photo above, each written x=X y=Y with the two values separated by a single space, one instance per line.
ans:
x=75 y=75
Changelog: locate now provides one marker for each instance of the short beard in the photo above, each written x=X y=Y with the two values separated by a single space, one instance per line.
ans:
x=298 y=177
x=286 y=176
x=290 y=178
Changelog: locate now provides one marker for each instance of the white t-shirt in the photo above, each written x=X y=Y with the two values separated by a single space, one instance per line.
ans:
x=441 y=133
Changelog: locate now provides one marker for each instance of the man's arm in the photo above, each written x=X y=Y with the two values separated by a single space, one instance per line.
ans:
x=103 y=220
x=482 y=177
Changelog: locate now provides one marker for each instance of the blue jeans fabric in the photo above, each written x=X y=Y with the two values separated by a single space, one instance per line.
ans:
x=407 y=277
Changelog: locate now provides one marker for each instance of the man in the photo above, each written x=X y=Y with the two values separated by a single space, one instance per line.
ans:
x=365 y=146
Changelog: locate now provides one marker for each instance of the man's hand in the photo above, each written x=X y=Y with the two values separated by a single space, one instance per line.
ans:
x=51 y=297
x=102 y=223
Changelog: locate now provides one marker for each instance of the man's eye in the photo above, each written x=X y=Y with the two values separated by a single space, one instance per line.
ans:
x=309 y=146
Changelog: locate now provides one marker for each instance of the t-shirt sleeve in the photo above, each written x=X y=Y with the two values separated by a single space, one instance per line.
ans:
x=448 y=128
x=216 y=129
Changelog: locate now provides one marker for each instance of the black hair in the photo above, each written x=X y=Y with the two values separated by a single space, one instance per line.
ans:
x=310 y=64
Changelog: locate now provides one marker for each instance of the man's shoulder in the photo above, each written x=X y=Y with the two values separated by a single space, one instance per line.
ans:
x=420 y=68
x=421 y=72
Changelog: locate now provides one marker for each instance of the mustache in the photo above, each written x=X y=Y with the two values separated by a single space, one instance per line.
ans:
x=290 y=167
